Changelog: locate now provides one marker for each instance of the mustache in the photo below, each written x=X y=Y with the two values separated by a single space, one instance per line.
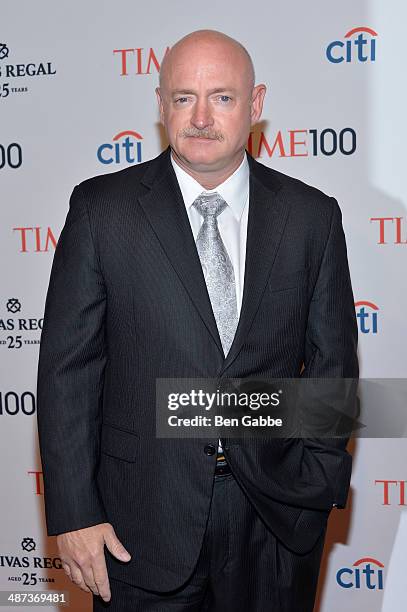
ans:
x=204 y=133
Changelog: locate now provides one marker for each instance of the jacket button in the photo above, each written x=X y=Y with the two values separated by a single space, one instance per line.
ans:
x=209 y=450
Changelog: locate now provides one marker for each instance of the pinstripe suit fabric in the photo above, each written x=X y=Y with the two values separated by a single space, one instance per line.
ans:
x=126 y=304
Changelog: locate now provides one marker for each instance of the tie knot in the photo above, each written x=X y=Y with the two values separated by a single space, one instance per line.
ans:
x=210 y=204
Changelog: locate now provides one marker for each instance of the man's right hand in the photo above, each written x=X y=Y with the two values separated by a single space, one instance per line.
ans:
x=83 y=558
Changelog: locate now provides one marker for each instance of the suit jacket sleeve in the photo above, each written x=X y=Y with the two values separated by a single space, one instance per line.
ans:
x=331 y=352
x=70 y=377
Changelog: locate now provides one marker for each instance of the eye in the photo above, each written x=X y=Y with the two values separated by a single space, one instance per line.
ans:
x=181 y=100
x=224 y=99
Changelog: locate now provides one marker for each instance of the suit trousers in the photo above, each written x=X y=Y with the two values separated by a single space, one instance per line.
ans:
x=241 y=567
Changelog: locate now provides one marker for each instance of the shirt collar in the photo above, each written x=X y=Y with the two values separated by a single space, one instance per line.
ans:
x=234 y=190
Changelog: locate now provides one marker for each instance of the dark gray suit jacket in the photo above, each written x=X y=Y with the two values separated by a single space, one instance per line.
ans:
x=127 y=303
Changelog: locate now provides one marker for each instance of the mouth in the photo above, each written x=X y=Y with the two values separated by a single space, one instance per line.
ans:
x=202 y=137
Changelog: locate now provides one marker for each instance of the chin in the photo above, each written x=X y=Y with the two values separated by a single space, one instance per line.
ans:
x=200 y=156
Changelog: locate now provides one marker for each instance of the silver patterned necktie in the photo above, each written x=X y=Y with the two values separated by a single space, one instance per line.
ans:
x=217 y=267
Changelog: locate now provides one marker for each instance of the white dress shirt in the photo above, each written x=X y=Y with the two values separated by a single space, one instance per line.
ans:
x=232 y=221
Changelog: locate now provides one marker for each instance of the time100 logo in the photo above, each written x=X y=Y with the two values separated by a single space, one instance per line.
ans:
x=11 y=155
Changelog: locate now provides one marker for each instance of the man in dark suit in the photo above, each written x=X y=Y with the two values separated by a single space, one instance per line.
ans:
x=199 y=263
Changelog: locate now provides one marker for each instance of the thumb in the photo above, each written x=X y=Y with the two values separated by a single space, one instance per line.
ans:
x=114 y=545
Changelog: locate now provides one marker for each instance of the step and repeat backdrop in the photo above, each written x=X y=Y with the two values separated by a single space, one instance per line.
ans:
x=77 y=99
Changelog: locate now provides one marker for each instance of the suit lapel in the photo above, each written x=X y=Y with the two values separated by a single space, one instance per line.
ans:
x=165 y=209
x=268 y=211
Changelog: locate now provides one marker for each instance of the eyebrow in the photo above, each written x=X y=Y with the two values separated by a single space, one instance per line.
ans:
x=211 y=91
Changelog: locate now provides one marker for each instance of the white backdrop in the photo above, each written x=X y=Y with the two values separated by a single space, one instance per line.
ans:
x=75 y=76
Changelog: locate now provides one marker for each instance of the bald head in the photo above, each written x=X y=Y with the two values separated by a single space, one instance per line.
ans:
x=201 y=43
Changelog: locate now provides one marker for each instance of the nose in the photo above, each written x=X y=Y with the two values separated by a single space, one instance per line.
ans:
x=202 y=115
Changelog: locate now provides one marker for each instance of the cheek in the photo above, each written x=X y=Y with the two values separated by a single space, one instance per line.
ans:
x=235 y=121
x=236 y=129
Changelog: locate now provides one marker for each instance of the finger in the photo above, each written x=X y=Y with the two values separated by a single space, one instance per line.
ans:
x=101 y=577
x=67 y=569
x=116 y=547
x=88 y=577
x=77 y=578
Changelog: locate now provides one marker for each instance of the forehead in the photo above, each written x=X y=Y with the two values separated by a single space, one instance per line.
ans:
x=207 y=66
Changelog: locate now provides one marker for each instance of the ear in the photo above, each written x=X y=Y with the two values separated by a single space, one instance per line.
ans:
x=160 y=104
x=258 y=94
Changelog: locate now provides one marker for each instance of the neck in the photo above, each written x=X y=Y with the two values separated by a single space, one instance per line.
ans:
x=212 y=178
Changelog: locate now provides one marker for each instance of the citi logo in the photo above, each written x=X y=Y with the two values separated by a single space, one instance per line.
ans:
x=359 y=46
x=366 y=314
x=125 y=147
x=366 y=573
